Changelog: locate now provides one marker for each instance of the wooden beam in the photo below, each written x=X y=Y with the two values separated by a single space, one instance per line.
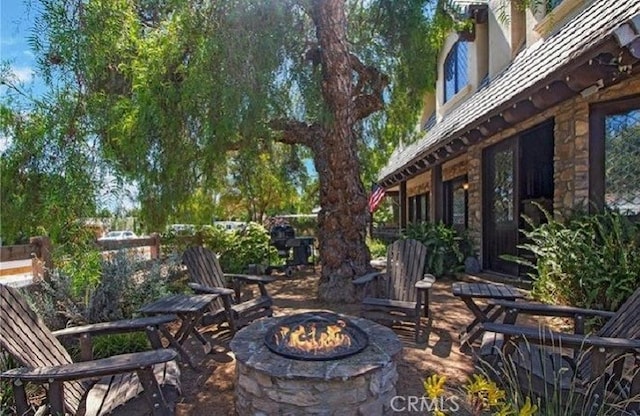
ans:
x=551 y=95
x=634 y=48
x=520 y=111
x=456 y=145
x=442 y=152
x=603 y=67
x=492 y=126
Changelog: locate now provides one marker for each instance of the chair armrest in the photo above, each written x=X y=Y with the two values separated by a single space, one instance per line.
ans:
x=542 y=309
x=366 y=278
x=198 y=288
x=117 y=364
x=426 y=283
x=124 y=325
x=249 y=278
x=546 y=336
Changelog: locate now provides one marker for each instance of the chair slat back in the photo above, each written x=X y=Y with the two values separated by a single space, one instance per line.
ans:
x=405 y=266
x=625 y=323
x=204 y=268
x=24 y=335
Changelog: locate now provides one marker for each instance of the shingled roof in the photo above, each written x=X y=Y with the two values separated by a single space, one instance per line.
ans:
x=529 y=71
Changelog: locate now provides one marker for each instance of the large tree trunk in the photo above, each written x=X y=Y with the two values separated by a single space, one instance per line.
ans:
x=351 y=91
x=342 y=220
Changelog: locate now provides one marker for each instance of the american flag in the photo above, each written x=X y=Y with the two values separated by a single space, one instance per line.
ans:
x=377 y=193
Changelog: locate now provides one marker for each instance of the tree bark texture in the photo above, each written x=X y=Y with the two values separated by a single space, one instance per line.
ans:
x=351 y=92
x=342 y=220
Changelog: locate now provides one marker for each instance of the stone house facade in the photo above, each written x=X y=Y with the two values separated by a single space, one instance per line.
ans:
x=537 y=108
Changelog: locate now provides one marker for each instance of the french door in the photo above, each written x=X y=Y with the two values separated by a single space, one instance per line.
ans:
x=518 y=179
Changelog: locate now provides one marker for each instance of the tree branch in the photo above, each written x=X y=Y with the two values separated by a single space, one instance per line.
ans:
x=297 y=132
x=367 y=93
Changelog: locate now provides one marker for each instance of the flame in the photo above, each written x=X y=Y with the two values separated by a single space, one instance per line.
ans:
x=310 y=339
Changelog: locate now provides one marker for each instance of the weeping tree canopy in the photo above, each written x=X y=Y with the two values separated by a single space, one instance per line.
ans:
x=175 y=93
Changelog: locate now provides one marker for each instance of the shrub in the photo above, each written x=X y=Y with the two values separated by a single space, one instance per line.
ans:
x=591 y=261
x=122 y=289
x=236 y=249
x=446 y=249
x=377 y=248
x=110 y=345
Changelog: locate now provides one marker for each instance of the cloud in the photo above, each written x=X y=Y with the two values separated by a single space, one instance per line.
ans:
x=23 y=73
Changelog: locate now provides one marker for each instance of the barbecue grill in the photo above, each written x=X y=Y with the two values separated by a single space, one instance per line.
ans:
x=297 y=251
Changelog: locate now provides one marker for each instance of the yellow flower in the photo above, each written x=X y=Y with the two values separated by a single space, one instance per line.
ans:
x=528 y=409
x=505 y=410
x=484 y=393
x=434 y=386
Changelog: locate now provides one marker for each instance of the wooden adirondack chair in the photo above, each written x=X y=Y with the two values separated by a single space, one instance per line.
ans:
x=604 y=365
x=208 y=277
x=72 y=387
x=403 y=291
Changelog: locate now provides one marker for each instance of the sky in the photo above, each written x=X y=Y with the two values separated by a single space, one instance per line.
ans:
x=16 y=20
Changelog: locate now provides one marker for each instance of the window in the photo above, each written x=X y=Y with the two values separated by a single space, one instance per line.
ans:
x=419 y=208
x=456 y=71
x=615 y=155
x=456 y=202
x=551 y=4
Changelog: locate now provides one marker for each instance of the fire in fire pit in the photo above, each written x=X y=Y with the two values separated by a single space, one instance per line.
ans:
x=316 y=336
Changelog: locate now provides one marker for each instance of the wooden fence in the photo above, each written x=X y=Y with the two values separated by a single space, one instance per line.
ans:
x=35 y=259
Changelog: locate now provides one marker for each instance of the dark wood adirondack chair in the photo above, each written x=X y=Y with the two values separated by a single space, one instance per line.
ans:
x=208 y=277
x=403 y=290
x=603 y=365
x=72 y=387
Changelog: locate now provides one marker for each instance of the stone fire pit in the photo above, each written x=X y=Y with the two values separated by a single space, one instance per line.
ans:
x=360 y=384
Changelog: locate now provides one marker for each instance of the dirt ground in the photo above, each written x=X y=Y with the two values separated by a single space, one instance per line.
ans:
x=209 y=390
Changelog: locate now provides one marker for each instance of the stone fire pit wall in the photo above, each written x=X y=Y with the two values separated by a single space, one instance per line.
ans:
x=269 y=384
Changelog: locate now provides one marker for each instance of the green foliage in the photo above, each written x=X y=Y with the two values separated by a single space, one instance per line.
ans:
x=162 y=96
x=377 y=248
x=248 y=246
x=236 y=249
x=591 y=261
x=122 y=288
x=83 y=270
x=6 y=391
x=48 y=176
x=110 y=345
x=446 y=250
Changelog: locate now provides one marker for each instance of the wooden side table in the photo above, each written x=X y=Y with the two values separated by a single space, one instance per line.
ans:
x=189 y=309
x=469 y=292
